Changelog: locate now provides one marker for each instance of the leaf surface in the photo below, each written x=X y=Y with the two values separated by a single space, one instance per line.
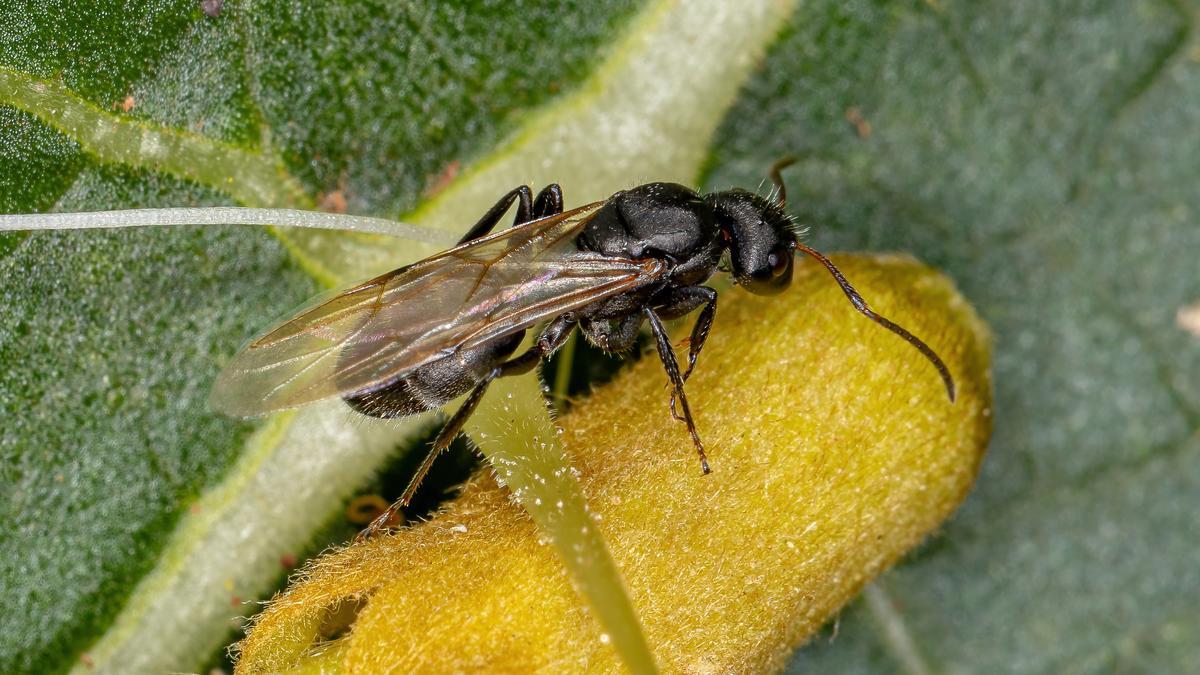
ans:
x=113 y=470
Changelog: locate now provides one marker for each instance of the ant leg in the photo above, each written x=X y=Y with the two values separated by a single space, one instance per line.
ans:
x=524 y=197
x=553 y=336
x=444 y=438
x=549 y=202
x=667 y=355
x=700 y=331
x=681 y=302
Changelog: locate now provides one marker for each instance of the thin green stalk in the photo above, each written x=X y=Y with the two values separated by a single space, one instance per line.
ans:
x=896 y=635
x=522 y=443
x=562 y=377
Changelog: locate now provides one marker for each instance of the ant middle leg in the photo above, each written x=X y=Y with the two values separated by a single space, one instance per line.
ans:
x=553 y=336
x=682 y=301
x=667 y=354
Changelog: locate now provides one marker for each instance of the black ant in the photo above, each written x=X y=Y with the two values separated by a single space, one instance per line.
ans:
x=416 y=338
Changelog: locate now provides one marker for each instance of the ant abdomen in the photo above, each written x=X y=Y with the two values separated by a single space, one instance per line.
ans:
x=436 y=383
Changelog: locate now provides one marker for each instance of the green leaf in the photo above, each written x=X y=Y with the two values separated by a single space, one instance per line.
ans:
x=1045 y=155
x=114 y=474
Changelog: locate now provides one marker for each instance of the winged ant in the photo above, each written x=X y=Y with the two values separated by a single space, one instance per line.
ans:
x=415 y=338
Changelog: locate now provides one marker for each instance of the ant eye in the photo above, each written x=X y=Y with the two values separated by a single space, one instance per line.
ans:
x=775 y=275
x=778 y=261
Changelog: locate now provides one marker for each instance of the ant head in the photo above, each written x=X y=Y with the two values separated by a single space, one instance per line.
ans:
x=761 y=239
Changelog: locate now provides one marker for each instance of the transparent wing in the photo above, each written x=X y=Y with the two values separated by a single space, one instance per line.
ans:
x=365 y=337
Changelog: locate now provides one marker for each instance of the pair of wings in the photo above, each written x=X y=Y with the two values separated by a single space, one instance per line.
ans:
x=363 y=338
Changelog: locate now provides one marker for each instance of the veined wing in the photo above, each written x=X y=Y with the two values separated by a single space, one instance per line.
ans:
x=363 y=338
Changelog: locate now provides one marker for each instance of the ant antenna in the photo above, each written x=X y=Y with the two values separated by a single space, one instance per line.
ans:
x=855 y=298
x=861 y=306
x=781 y=194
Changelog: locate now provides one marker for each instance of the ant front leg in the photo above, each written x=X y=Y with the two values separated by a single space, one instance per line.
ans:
x=667 y=354
x=682 y=301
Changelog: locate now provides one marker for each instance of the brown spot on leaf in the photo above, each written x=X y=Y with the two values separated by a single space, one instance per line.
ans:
x=212 y=8
x=861 y=125
x=442 y=179
x=334 y=202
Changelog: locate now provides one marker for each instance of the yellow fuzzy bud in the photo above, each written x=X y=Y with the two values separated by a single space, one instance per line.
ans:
x=834 y=450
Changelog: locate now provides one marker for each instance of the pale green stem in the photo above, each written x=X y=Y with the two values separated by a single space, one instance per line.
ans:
x=520 y=440
x=896 y=635
x=562 y=378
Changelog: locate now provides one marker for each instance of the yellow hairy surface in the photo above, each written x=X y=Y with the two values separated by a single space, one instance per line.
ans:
x=834 y=451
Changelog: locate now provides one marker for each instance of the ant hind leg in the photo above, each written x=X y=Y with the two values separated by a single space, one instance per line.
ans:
x=553 y=337
x=549 y=202
x=444 y=438
x=524 y=198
